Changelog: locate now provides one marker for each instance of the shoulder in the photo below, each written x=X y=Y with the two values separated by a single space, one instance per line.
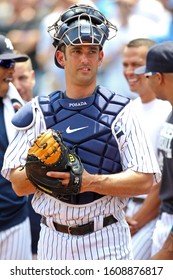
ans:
x=165 y=107
x=25 y=116
x=112 y=96
x=127 y=110
x=164 y=104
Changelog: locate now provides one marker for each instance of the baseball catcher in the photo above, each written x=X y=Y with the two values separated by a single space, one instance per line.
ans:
x=49 y=153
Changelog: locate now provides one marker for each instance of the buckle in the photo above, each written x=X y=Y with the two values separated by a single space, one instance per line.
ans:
x=69 y=230
x=71 y=227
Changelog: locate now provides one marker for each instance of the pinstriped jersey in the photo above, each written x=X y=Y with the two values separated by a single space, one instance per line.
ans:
x=135 y=149
x=112 y=242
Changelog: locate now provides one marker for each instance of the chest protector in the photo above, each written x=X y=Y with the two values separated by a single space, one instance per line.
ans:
x=85 y=125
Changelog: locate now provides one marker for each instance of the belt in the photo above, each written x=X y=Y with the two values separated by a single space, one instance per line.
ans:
x=137 y=199
x=80 y=229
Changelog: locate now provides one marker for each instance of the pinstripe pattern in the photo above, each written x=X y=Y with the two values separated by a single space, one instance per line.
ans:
x=142 y=240
x=12 y=240
x=161 y=232
x=112 y=242
x=149 y=115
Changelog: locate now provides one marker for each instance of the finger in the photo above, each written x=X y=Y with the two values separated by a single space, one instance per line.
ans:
x=59 y=175
x=64 y=177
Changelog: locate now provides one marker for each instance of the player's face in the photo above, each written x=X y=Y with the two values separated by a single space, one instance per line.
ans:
x=81 y=64
x=6 y=76
x=24 y=80
x=161 y=83
x=133 y=58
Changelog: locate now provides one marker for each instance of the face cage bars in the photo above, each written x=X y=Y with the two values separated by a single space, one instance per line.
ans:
x=94 y=20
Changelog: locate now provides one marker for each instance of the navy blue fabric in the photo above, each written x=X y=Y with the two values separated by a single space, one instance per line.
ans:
x=13 y=209
x=35 y=225
x=94 y=142
x=165 y=153
x=24 y=116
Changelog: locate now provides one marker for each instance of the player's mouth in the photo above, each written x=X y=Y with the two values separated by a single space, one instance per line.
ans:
x=84 y=69
x=132 y=81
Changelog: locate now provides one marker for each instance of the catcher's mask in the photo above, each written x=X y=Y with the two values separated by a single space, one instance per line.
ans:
x=81 y=24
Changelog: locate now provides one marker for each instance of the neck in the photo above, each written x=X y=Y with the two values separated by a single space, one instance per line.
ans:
x=78 y=92
x=147 y=95
x=147 y=99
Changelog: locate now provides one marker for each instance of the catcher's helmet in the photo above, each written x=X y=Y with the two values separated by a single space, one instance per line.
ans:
x=81 y=24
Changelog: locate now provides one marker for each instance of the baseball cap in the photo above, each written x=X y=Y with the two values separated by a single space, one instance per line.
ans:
x=6 y=51
x=159 y=59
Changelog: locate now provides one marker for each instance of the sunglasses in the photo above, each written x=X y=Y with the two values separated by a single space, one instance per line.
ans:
x=7 y=63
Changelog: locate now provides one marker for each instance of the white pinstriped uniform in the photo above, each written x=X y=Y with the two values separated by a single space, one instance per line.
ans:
x=152 y=119
x=142 y=240
x=15 y=242
x=111 y=242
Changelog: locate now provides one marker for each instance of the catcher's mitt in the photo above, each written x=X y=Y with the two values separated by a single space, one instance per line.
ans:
x=49 y=153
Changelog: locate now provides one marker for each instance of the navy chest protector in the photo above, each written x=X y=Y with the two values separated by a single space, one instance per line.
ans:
x=85 y=125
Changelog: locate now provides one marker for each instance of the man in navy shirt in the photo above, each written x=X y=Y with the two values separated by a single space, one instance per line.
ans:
x=15 y=237
x=159 y=71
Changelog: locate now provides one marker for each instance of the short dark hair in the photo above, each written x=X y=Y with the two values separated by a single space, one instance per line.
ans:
x=139 y=42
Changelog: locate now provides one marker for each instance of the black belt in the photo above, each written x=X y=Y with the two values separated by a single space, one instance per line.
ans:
x=80 y=229
x=137 y=199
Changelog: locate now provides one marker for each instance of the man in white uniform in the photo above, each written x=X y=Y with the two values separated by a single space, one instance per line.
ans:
x=102 y=128
x=147 y=108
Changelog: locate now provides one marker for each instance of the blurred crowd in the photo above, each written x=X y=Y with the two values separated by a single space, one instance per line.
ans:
x=26 y=23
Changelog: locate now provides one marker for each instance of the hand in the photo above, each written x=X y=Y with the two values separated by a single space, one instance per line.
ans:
x=65 y=178
x=133 y=225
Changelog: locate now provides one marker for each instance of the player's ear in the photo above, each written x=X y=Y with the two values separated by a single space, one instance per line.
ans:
x=101 y=55
x=60 y=57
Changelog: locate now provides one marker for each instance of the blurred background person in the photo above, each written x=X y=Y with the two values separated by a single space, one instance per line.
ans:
x=15 y=237
x=168 y=5
x=24 y=79
x=152 y=113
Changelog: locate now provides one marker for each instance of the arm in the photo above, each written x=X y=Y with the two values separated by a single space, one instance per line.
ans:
x=20 y=183
x=124 y=184
x=147 y=212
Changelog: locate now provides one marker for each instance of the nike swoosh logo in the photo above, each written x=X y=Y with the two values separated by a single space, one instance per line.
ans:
x=69 y=130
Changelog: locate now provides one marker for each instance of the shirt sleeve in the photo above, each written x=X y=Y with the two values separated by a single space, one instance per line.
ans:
x=135 y=146
x=16 y=153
